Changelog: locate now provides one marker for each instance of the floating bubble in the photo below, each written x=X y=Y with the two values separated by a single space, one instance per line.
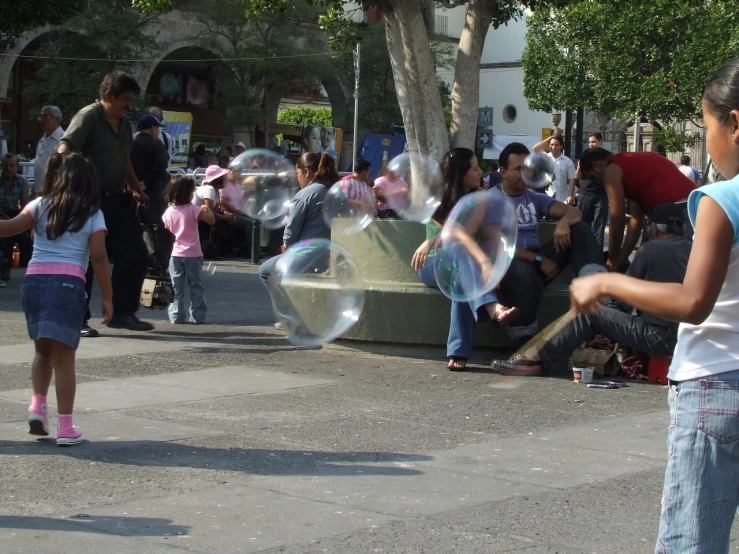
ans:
x=268 y=184
x=349 y=206
x=476 y=245
x=210 y=269
x=538 y=171
x=413 y=186
x=317 y=292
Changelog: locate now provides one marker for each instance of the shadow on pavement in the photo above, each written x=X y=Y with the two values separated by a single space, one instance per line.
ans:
x=255 y=461
x=83 y=523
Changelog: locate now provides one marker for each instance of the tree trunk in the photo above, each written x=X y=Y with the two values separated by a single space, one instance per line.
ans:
x=415 y=77
x=466 y=90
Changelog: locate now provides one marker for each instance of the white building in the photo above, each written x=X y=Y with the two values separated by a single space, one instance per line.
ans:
x=501 y=80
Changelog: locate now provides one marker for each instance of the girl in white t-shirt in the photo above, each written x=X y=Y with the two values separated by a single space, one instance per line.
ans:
x=207 y=194
x=69 y=230
x=701 y=492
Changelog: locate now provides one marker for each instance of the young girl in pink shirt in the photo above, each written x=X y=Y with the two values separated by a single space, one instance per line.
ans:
x=186 y=263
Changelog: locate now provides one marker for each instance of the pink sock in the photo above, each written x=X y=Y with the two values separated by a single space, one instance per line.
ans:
x=65 y=423
x=38 y=404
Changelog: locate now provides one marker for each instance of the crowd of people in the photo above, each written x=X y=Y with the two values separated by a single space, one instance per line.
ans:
x=87 y=212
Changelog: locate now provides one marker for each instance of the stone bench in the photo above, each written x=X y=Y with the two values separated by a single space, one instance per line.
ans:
x=400 y=309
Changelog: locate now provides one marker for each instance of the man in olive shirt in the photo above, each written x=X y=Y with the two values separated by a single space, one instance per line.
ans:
x=102 y=133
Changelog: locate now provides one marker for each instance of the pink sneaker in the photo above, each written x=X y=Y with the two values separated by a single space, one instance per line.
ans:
x=38 y=422
x=68 y=437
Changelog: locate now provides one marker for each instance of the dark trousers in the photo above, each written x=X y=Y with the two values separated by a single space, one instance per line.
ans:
x=523 y=284
x=126 y=250
x=595 y=213
x=23 y=241
x=620 y=327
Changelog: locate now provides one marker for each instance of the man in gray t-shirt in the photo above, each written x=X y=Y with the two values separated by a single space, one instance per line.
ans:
x=664 y=259
x=102 y=133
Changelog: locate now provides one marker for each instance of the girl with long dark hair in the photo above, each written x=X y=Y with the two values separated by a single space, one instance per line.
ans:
x=462 y=175
x=69 y=231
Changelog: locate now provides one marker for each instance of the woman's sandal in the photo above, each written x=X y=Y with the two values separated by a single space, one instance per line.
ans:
x=457 y=360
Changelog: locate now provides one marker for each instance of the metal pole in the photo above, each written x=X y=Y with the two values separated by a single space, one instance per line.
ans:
x=637 y=132
x=357 y=58
x=579 y=132
x=568 y=133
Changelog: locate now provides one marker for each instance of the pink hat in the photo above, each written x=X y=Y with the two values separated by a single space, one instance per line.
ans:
x=213 y=172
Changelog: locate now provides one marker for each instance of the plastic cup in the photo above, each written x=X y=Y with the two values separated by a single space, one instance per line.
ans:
x=577 y=374
x=587 y=374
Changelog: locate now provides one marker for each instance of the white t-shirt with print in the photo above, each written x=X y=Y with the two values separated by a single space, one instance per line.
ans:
x=713 y=346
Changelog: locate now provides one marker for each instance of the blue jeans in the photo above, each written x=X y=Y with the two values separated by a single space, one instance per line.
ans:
x=701 y=492
x=187 y=270
x=464 y=315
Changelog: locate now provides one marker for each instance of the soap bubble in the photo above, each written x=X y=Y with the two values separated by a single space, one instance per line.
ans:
x=476 y=245
x=317 y=292
x=538 y=171
x=268 y=183
x=349 y=206
x=413 y=186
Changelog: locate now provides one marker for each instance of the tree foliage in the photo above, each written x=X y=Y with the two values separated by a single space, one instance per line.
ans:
x=623 y=58
x=20 y=16
x=113 y=33
x=306 y=116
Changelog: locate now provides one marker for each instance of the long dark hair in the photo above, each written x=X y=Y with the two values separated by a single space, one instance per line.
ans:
x=179 y=190
x=722 y=92
x=454 y=166
x=322 y=165
x=71 y=190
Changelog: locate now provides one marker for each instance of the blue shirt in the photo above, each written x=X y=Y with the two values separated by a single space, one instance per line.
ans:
x=529 y=207
x=305 y=218
x=725 y=194
x=70 y=248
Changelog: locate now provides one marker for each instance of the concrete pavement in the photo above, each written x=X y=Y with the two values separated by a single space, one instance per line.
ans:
x=226 y=438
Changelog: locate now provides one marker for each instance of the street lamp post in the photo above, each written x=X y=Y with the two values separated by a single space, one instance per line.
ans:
x=357 y=57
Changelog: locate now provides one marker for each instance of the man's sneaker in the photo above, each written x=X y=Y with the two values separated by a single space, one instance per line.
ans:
x=38 y=424
x=517 y=366
x=69 y=437
x=3 y=284
x=130 y=322
x=279 y=325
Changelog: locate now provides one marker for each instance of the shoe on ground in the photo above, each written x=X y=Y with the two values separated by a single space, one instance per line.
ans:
x=279 y=325
x=130 y=322
x=3 y=284
x=38 y=424
x=517 y=366
x=89 y=332
x=69 y=437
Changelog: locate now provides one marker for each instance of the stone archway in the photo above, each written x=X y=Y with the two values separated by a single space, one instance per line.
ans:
x=7 y=62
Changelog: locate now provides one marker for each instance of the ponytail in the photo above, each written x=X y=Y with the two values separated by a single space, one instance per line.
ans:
x=322 y=165
x=327 y=173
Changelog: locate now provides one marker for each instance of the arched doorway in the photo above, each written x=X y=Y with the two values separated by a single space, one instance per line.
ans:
x=184 y=82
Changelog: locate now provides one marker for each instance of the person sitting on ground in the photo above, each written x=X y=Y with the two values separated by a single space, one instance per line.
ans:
x=461 y=176
x=535 y=265
x=664 y=259
x=647 y=179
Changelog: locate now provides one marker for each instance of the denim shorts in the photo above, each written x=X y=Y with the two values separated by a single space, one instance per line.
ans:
x=55 y=307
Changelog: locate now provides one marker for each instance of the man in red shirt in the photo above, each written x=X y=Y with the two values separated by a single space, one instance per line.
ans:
x=646 y=179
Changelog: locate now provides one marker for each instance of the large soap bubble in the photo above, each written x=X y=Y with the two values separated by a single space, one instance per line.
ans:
x=412 y=187
x=317 y=292
x=349 y=206
x=268 y=183
x=476 y=245
x=538 y=171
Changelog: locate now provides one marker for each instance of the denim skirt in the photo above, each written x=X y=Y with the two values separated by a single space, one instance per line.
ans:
x=55 y=307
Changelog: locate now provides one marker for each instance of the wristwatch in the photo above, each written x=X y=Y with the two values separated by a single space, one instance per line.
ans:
x=537 y=260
